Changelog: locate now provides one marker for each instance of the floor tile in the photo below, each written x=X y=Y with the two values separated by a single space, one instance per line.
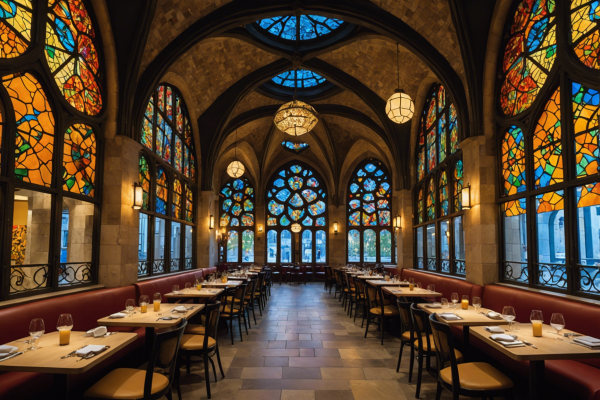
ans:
x=342 y=373
x=259 y=395
x=301 y=373
x=380 y=390
x=297 y=395
x=262 y=373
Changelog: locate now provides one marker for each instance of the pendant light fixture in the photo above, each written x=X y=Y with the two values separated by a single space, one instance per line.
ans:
x=235 y=168
x=400 y=107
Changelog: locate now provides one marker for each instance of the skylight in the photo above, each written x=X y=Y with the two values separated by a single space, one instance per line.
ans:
x=306 y=79
x=311 y=26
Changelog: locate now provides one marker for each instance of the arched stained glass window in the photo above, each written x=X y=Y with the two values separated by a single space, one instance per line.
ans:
x=162 y=191
x=420 y=206
x=79 y=160
x=72 y=53
x=585 y=31
x=295 y=148
x=237 y=210
x=431 y=200
x=369 y=204
x=296 y=194
x=547 y=147
x=458 y=185
x=310 y=26
x=15 y=27
x=145 y=181
x=586 y=104
x=443 y=188
x=513 y=161
x=176 y=203
x=529 y=54
x=305 y=79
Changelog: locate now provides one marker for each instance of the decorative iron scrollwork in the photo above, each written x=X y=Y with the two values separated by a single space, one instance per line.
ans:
x=589 y=279
x=188 y=263
x=174 y=264
x=516 y=272
x=446 y=266
x=158 y=267
x=74 y=273
x=459 y=267
x=552 y=275
x=29 y=278
x=431 y=264
x=143 y=268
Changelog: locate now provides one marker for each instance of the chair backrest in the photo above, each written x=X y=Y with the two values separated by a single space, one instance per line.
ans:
x=405 y=317
x=259 y=284
x=251 y=289
x=338 y=278
x=373 y=299
x=444 y=346
x=328 y=272
x=359 y=287
x=420 y=325
x=164 y=354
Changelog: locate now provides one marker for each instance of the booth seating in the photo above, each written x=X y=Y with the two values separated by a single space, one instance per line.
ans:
x=445 y=285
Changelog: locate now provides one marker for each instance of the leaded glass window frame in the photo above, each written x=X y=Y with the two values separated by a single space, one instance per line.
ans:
x=227 y=200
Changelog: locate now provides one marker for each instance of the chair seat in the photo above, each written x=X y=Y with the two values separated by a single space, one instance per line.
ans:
x=229 y=310
x=406 y=335
x=126 y=383
x=387 y=310
x=195 y=342
x=194 y=329
x=478 y=376
x=457 y=354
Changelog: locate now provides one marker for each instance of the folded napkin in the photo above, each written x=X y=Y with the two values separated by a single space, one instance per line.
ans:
x=450 y=317
x=587 y=341
x=514 y=343
x=180 y=309
x=494 y=315
x=502 y=337
x=494 y=329
x=97 y=332
x=5 y=350
x=91 y=348
x=117 y=315
x=434 y=305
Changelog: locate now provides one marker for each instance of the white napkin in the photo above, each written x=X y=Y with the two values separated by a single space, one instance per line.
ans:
x=514 y=343
x=587 y=341
x=434 y=305
x=91 y=348
x=450 y=317
x=502 y=337
x=493 y=314
x=117 y=315
x=5 y=350
x=494 y=329
x=180 y=309
x=97 y=332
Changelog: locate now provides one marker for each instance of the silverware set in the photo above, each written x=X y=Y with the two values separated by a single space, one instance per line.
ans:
x=92 y=354
x=12 y=355
x=529 y=344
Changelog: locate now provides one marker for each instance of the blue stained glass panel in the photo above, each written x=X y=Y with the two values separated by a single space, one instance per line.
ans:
x=384 y=218
x=235 y=222
x=237 y=197
x=282 y=173
x=354 y=188
x=248 y=206
x=306 y=79
x=317 y=208
x=382 y=204
x=279 y=183
x=296 y=169
x=368 y=197
x=309 y=195
x=284 y=221
x=283 y=195
x=226 y=192
x=311 y=26
x=379 y=173
x=296 y=215
x=295 y=182
x=354 y=218
x=307 y=221
x=361 y=173
x=320 y=221
x=370 y=185
x=354 y=204
x=247 y=220
x=369 y=220
x=383 y=188
x=226 y=205
x=238 y=184
x=275 y=208
x=296 y=201
x=370 y=167
x=312 y=182
x=237 y=209
x=369 y=207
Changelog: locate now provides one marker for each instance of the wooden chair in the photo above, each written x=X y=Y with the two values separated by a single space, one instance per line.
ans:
x=377 y=310
x=338 y=284
x=137 y=384
x=472 y=379
x=350 y=291
x=309 y=273
x=359 y=290
x=329 y=278
x=234 y=307
x=205 y=346
x=408 y=336
x=277 y=273
x=249 y=299
x=258 y=291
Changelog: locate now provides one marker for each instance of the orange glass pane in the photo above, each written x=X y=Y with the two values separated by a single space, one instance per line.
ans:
x=79 y=160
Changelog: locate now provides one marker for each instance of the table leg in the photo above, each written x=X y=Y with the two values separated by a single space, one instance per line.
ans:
x=466 y=343
x=149 y=342
x=536 y=379
x=61 y=386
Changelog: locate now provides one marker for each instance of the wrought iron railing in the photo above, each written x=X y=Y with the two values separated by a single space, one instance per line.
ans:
x=445 y=266
x=432 y=264
x=174 y=265
x=71 y=274
x=459 y=267
x=29 y=278
x=517 y=272
x=143 y=268
x=552 y=275
x=588 y=279
x=188 y=263
x=158 y=267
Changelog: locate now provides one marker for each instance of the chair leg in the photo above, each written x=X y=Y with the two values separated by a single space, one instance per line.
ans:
x=438 y=391
x=212 y=363
x=419 y=373
x=187 y=363
x=169 y=394
x=245 y=324
x=253 y=315
x=219 y=361
x=368 y=320
x=207 y=376
x=400 y=356
x=177 y=375
x=240 y=327
x=412 y=362
x=382 y=328
x=231 y=327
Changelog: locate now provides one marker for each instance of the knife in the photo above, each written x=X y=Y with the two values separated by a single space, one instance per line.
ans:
x=12 y=355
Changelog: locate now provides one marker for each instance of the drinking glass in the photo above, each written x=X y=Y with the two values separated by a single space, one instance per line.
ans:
x=516 y=326
x=188 y=285
x=537 y=320
x=557 y=321
x=411 y=280
x=476 y=303
x=157 y=301
x=36 y=330
x=454 y=298
x=508 y=314
x=144 y=301
x=444 y=302
x=431 y=288
x=419 y=285
x=175 y=289
x=64 y=326
x=130 y=306
x=465 y=302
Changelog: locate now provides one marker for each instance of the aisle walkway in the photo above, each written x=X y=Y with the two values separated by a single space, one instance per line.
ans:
x=305 y=347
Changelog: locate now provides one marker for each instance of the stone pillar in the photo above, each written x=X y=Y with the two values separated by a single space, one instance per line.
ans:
x=337 y=243
x=119 y=222
x=481 y=221
x=403 y=199
x=206 y=249
x=259 y=237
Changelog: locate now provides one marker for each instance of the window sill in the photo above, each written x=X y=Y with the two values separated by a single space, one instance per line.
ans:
x=149 y=278
x=458 y=277
x=31 y=299
x=576 y=299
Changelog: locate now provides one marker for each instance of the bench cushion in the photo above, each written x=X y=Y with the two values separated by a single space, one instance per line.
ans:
x=444 y=284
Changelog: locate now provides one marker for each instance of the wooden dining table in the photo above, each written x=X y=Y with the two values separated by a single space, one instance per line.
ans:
x=406 y=292
x=547 y=348
x=46 y=359
x=383 y=282
x=219 y=284
x=193 y=293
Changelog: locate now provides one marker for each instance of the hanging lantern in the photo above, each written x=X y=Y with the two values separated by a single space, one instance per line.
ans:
x=235 y=169
x=296 y=118
x=400 y=107
x=296 y=228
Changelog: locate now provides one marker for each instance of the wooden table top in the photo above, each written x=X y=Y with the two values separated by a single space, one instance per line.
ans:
x=469 y=317
x=381 y=282
x=237 y=278
x=47 y=358
x=149 y=319
x=188 y=293
x=226 y=284
x=548 y=348
x=368 y=277
x=405 y=292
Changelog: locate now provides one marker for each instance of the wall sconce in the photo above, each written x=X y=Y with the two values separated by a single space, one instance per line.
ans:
x=211 y=223
x=335 y=228
x=260 y=228
x=466 y=197
x=448 y=234
x=398 y=222
x=138 y=196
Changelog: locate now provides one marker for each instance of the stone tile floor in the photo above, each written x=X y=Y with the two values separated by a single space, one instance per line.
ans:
x=305 y=347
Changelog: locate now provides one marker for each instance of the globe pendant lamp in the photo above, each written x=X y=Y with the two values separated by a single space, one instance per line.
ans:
x=400 y=107
x=296 y=118
x=296 y=228
x=235 y=169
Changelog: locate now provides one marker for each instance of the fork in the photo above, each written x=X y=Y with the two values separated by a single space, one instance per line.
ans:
x=529 y=344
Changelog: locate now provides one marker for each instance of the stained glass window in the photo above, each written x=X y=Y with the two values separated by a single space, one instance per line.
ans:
x=237 y=212
x=458 y=185
x=310 y=27
x=529 y=54
x=162 y=190
x=443 y=188
x=79 y=160
x=34 y=136
x=420 y=206
x=72 y=55
x=513 y=161
x=15 y=27
x=305 y=79
x=189 y=204
x=144 y=177
x=585 y=35
x=547 y=148
x=295 y=148
x=586 y=103
x=431 y=200
x=176 y=204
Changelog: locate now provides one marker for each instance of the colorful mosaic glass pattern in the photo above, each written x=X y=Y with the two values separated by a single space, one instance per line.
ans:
x=311 y=26
x=295 y=148
x=513 y=161
x=588 y=195
x=529 y=54
x=370 y=180
x=547 y=148
x=189 y=204
x=420 y=206
x=458 y=185
x=453 y=127
x=293 y=198
x=551 y=201
x=15 y=27
x=176 y=205
x=237 y=196
x=79 y=160
x=514 y=208
x=72 y=55
x=144 y=177
x=586 y=103
x=162 y=190
x=443 y=188
x=306 y=79
x=585 y=34
x=34 y=137
x=431 y=200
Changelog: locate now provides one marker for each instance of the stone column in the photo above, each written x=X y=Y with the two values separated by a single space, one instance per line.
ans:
x=259 y=237
x=206 y=249
x=338 y=246
x=403 y=199
x=119 y=222
x=481 y=221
